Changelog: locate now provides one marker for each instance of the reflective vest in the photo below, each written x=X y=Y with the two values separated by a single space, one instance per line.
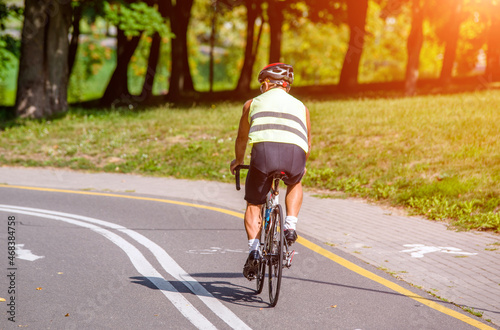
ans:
x=276 y=116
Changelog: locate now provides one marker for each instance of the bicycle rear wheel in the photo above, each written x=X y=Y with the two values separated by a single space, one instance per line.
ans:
x=275 y=242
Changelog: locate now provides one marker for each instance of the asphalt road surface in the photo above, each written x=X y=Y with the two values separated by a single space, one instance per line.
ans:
x=106 y=261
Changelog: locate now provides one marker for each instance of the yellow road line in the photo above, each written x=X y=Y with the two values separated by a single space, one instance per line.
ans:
x=206 y=207
x=308 y=244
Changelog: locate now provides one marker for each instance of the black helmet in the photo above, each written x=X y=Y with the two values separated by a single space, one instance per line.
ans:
x=277 y=73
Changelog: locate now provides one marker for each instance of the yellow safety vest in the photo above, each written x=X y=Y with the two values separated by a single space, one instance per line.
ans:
x=276 y=116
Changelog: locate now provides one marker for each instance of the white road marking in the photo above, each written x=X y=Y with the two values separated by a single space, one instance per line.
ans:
x=216 y=250
x=21 y=253
x=168 y=264
x=418 y=250
x=139 y=262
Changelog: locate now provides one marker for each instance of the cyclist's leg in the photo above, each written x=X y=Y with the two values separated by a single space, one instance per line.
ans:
x=256 y=187
x=294 y=195
x=293 y=199
x=253 y=221
x=252 y=226
x=293 y=162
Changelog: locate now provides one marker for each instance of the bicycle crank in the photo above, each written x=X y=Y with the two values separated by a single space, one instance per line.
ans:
x=288 y=258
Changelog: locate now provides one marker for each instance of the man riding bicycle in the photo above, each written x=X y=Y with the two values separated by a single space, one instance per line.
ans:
x=278 y=128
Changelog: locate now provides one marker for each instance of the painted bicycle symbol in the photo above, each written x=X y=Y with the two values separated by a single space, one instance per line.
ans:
x=418 y=250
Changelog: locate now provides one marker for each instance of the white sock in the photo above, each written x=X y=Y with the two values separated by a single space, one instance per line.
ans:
x=291 y=222
x=253 y=244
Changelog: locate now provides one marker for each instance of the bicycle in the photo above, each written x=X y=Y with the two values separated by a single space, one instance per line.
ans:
x=275 y=252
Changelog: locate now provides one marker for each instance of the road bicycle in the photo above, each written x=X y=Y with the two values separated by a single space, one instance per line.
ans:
x=275 y=251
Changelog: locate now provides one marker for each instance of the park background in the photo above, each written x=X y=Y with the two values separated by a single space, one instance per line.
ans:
x=403 y=93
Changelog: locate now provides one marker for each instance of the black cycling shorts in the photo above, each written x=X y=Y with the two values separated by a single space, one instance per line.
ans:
x=269 y=157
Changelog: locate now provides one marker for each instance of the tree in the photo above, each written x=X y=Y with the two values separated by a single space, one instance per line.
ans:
x=217 y=7
x=75 y=34
x=254 y=10
x=89 y=9
x=117 y=88
x=275 y=13
x=492 y=72
x=181 y=80
x=43 y=66
x=154 y=56
x=214 y=8
x=132 y=22
x=356 y=18
x=414 y=46
x=450 y=33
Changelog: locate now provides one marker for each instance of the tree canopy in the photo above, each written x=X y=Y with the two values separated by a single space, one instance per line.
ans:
x=132 y=52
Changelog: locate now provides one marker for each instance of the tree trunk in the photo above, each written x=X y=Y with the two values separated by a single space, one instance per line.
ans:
x=356 y=17
x=492 y=72
x=118 y=84
x=275 y=13
x=253 y=11
x=75 y=34
x=212 y=46
x=414 y=45
x=43 y=67
x=154 y=56
x=452 y=34
x=180 y=76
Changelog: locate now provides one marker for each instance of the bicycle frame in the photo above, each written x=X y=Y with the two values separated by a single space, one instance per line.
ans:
x=272 y=200
x=274 y=249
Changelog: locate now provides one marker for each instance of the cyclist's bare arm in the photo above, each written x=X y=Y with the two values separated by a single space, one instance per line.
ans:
x=242 y=139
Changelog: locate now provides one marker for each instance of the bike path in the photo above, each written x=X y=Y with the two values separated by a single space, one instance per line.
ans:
x=167 y=247
x=460 y=267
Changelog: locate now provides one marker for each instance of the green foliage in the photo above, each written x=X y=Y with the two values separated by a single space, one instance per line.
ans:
x=6 y=57
x=93 y=66
x=316 y=60
x=315 y=37
x=139 y=63
x=383 y=58
x=136 y=17
x=9 y=46
x=7 y=12
x=229 y=43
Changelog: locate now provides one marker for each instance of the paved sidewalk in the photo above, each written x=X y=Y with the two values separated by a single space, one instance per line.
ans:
x=462 y=267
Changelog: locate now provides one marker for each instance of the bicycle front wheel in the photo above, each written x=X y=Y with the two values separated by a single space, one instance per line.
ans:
x=261 y=271
x=276 y=247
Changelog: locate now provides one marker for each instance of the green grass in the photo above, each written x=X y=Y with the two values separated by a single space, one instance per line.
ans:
x=437 y=156
x=472 y=311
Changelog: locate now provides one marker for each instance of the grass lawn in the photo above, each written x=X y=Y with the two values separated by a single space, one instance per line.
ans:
x=438 y=156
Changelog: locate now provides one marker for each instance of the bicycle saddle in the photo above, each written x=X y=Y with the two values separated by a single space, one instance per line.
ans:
x=278 y=175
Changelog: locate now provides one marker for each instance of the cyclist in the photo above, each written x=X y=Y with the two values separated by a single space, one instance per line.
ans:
x=277 y=126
